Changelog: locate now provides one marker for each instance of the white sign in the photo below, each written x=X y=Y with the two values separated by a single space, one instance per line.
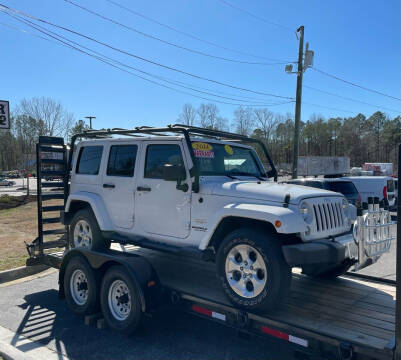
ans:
x=4 y=114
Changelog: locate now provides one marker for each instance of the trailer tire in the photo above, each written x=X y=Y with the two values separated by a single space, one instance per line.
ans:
x=94 y=240
x=270 y=279
x=81 y=287
x=120 y=300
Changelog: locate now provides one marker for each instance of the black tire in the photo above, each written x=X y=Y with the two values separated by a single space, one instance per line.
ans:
x=99 y=242
x=129 y=324
x=330 y=274
x=91 y=305
x=278 y=277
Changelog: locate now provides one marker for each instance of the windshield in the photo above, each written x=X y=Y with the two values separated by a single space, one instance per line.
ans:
x=346 y=188
x=224 y=159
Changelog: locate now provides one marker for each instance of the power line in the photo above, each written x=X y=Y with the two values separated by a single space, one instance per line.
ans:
x=350 y=99
x=328 y=107
x=102 y=59
x=356 y=85
x=168 y=80
x=169 y=42
x=257 y=17
x=194 y=37
x=142 y=58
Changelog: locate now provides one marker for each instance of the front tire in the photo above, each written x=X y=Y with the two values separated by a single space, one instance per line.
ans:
x=252 y=270
x=85 y=231
x=120 y=301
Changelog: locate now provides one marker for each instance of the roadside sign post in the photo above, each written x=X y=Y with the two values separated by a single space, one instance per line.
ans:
x=4 y=114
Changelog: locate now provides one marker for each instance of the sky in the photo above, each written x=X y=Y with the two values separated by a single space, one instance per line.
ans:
x=358 y=41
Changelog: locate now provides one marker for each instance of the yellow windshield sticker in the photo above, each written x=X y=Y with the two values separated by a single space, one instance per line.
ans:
x=202 y=146
x=229 y=149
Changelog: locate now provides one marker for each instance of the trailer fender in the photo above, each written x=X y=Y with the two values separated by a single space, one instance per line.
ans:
x=97 y=205
x=139 y=268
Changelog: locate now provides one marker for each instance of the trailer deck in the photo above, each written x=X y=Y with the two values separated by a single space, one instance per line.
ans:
x=343 y=313
x=350 y=310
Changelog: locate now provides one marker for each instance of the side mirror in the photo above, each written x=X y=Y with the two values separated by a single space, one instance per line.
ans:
x=174 y=173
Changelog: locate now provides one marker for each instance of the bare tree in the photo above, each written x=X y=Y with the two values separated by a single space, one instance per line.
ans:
x=55 y=119
x=209 y=118
x=188 y=115
x=243 y=120
x=266 y=122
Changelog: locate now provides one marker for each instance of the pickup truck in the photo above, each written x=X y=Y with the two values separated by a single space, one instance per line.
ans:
x=208 y=194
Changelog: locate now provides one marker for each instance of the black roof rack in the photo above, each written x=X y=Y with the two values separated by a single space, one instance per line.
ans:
x=186 y=131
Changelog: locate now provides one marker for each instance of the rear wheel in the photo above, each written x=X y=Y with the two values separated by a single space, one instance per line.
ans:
x=252 y=270
x=80 y=287
x=85 y=231
x=120 y=300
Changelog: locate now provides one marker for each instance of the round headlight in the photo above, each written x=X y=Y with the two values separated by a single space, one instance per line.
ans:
x=304 y=210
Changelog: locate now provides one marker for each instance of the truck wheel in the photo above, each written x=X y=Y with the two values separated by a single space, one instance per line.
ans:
x=85 y=231
x=120 y=301
x=252 y=270
x=80 y=287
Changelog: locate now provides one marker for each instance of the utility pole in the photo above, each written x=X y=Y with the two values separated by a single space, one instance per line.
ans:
x=304 y=61
x=298 y=100
x=90 y=120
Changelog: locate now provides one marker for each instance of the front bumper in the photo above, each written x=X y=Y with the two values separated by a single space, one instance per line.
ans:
x=322 y=252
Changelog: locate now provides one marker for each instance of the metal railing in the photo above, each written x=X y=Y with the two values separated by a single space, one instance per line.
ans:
x=373 y=232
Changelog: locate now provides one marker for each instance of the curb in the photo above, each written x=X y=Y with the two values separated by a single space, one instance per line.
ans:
x=9 y=352
x=20 y=272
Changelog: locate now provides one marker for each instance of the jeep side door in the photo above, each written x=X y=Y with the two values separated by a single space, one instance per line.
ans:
x=160 y=207
x=118 y=183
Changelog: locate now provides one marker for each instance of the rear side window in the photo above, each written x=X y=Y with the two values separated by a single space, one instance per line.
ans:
x=159 y=155
x=122 y=160
x=343 y=187
x=89 y=160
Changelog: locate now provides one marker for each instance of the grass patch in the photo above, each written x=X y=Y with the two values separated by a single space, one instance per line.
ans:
x=17 y=225
x=9 y=202
x=12 y=262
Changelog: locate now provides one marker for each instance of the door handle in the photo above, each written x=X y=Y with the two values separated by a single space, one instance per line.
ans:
x=109 y=186
x=143 y=188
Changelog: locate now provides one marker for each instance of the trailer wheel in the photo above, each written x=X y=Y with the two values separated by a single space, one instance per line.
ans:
x=252 y=270
x=80 y=287
x=120 y=301
x=85 y=231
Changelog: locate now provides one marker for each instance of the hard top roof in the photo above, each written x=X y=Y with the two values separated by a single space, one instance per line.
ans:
x=158 y=138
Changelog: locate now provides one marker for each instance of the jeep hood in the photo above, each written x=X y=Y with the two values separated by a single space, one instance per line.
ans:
x=263 y=190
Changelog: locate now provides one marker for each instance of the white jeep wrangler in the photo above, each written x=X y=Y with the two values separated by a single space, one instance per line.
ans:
x=207 y=193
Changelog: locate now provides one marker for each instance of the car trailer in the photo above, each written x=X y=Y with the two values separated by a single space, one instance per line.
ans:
x=352 y=317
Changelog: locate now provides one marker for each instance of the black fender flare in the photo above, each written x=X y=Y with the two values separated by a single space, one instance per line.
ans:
x=140 y=270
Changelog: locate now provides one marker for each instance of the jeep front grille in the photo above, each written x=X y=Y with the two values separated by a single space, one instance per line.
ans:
x=328 y=215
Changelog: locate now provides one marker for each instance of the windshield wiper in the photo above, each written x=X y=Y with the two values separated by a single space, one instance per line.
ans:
x=243 y=173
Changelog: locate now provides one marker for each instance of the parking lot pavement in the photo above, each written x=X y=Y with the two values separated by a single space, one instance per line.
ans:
x=33 y=310
x=19 y=188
